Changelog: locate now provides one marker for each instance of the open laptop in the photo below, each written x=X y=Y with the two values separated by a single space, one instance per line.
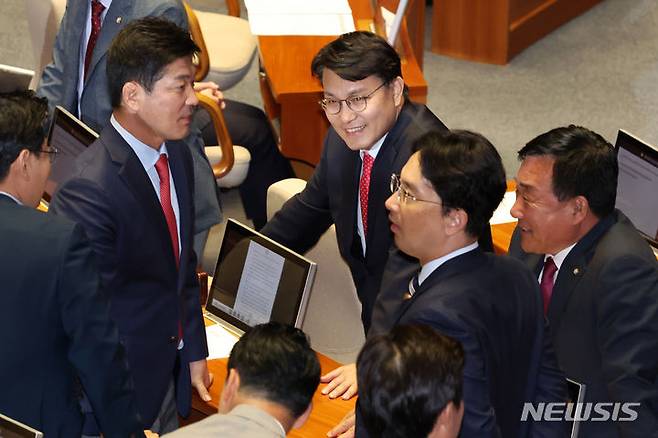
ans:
x=70 y=137
x=637 y=194
x=10 y=428
x=14 y=78
x=256 y=280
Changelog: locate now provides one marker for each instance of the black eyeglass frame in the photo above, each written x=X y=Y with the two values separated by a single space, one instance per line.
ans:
x=349 y=102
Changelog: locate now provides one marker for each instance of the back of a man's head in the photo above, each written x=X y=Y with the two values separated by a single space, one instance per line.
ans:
x=23 y=118
x=585 y=165
x=275 y=363
x=407 y=379
x=466 y=171
x=356 y=55
x=141 y=51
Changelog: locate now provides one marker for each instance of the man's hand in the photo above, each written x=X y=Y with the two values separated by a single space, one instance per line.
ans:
x=201 y=378
x=341 y=381
x=211 y=90
x=344 y=429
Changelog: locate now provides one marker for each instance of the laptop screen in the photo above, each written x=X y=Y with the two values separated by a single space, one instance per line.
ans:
x=637 y=196
x=70 y=137
x=256 y=280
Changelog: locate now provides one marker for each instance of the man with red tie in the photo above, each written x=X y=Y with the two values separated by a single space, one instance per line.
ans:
x=598 y=277
x=132 y=191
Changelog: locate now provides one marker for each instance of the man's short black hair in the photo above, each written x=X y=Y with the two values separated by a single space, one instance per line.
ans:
x=406 y=378
x=23 y=125
x=585 y=165
x=356 y=55
x=466 y=172
x=275 y=362
x=142 y=50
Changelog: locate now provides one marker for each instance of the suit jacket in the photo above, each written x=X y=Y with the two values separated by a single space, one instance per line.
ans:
x=59 y=83
x=490 y=304
x=244 y=421
x=604 y=322
x=111 y=196
x=331 y=196
x=54 y=325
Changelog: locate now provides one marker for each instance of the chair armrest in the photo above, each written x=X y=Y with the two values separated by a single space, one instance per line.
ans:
x=233 y=7
x=224 y=165
x=203 y=60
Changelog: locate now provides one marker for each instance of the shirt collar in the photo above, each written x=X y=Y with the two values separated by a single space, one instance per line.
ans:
x=9 y=195
x=145 y=153
x=432 y=265
x=560 y=256
x=374 y=150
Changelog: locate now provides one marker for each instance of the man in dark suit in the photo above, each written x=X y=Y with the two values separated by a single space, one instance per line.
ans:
x=54 y=321
x=64 y=82
x=445 y=193
x=132 y=192
x=372 y=127
x=599 y=278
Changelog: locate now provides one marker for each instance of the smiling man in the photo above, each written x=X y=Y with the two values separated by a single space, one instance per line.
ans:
x=372 y=127
x=132 y=193
x=447 y=190
x=599 y=278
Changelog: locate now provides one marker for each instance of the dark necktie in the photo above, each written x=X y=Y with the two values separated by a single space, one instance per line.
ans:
x=413 y=286
x=364 y=189
x=546 y=283
x=97 y=9
x=162 y=167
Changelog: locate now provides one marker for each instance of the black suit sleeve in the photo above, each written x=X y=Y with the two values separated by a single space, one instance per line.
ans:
x=94 y=347
x=627 y=319
x=306 y=216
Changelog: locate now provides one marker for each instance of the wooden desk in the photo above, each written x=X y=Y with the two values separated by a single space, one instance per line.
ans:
x=291 y=94
x=325 y=415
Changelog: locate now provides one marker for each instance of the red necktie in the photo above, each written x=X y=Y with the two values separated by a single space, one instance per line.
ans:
x=364 y=188
x=162 y=167
x=546 y=283
x=97 y=9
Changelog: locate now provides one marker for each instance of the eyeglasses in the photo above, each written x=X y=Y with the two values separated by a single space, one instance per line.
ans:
x=356 y=103
x=403 y=194
x=52 y=153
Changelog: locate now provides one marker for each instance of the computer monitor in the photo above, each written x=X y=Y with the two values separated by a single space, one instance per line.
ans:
x=70 y=137
x=637 y=196
x=257 y=280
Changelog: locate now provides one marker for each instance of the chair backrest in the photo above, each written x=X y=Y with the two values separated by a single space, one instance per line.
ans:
x=43 y=19
x=333 y=315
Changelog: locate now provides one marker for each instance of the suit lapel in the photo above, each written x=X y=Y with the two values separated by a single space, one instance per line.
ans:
x=182 y=185
x=573 y=270
x=112 y=24
x=350 y=172
x=463 y=263
x=135 y=177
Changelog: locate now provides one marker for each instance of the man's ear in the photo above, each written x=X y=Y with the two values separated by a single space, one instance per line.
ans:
x=131 y=96
x=455 y=221
x=230 y=391
x=449 y=421
x=22 y=164
x=301 y=420
x=580 y=208
x=398 y=90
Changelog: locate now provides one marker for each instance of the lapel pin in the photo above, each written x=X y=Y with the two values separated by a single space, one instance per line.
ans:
x=576 y=271
x=119 y=19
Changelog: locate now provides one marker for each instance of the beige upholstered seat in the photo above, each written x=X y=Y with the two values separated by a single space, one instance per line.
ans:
x=333 y=317
x=43 y=18
x=226 y=42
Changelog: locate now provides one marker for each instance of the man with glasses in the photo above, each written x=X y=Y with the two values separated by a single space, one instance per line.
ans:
x=372 y=126
x=54 y=322
x=447 y=190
